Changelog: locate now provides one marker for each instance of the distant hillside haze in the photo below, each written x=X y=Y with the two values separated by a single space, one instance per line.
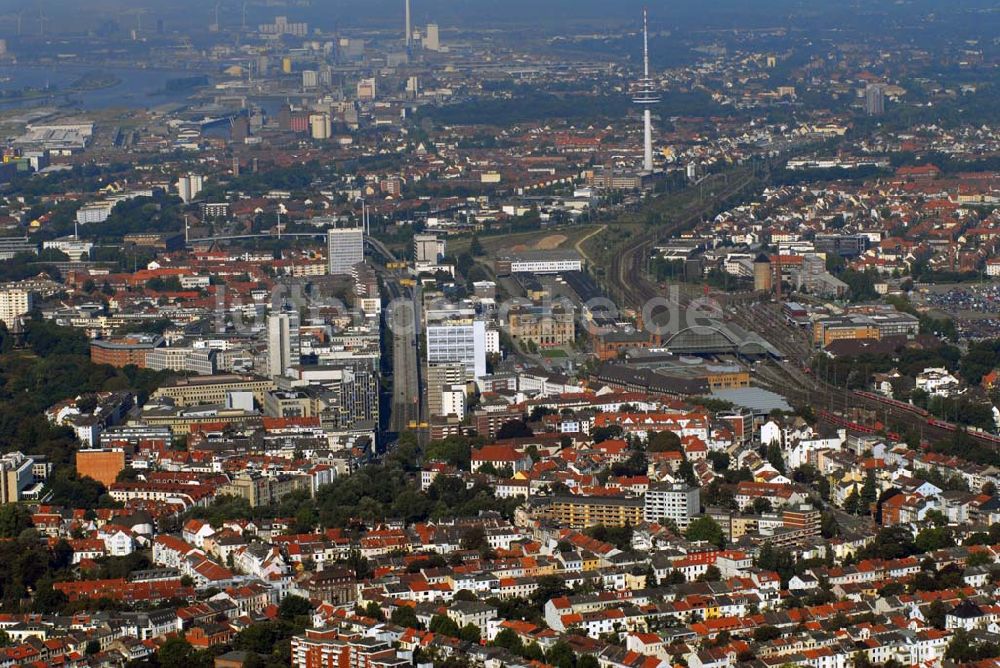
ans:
x=555 y=16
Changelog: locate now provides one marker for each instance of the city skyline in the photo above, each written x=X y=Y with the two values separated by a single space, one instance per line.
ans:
x=458 y=334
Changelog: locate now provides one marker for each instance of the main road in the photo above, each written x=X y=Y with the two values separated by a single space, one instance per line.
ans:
x=402 y=318
x=403 y=321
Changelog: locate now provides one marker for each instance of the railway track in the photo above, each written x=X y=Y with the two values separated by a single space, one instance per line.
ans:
x=626 y=276
x=627 y=282
x=895 y=417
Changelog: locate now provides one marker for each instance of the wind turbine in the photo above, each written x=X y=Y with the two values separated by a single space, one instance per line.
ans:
x=138 y=12
x=42 y=20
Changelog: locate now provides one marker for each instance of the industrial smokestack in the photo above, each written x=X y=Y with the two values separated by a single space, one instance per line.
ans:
x=409 y=29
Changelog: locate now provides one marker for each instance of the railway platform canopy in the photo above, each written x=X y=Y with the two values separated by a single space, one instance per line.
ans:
x=758 y=400
x=720 y=338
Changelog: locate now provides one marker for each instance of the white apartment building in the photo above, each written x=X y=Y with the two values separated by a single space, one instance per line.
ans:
x=673 y=501
x=189 y=186
x=14 y=303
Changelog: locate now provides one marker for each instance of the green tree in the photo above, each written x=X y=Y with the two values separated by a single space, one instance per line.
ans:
x=779 y=560
x=14 y=518
x=561 y=655
x=533 y=652
x=470 y=633
x=964 y=648
x=176 y=652
x=720 y=460
x=775 y=456
x=869 y=491
x=548 y=587
x=48 y=600
x=852 y=504
x=761 y=505
x=455 y=450
x=706 y=529
x=444 y=625
x=294 y=606
x=766 y=633
x=828 y=525
x=893 y=542
x=979 y=558
x=475 y=247
x=374 y=610
x=934 y=538
x=936 y=517
x=509 y=640
x=664 y=441
x=686 y=471
x=404 y=615
x=601 y=434
x=474 y=538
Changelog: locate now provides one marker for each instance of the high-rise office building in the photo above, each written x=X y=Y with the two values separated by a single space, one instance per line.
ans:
x=875 y=99
x=428 y=248
x=432 y=40
x=345 y=247
x=346 y=397
x=282 y=342
x=359 y=396
x=455 y=335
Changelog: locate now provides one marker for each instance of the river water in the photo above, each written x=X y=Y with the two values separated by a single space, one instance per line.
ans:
x=136 y=88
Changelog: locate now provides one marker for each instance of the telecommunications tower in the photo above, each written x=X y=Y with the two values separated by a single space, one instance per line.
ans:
x=646 y=96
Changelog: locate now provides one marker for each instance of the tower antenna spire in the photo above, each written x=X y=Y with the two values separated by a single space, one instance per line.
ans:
x=645 y=43
x=646 y=97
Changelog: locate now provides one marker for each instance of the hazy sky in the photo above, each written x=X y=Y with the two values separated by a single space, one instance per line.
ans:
x=80 y=15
